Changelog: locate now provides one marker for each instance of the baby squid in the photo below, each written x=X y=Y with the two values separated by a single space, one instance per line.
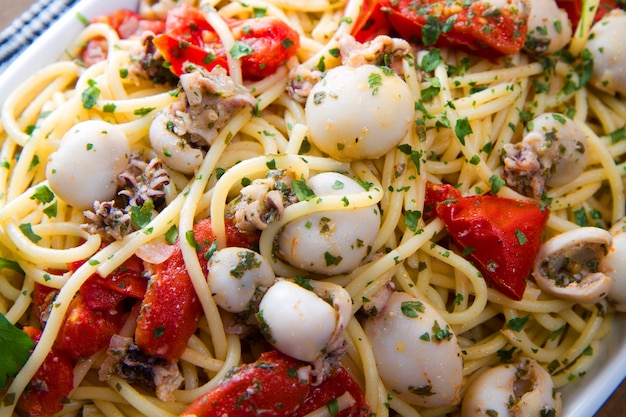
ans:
x=417 y=355
x=175 y=151
x=238 y=276
x=181 y=133
x=359 y=112
x=305 y=319
x=553 y=152
x=520 y=389
x=334 y=241
x=614 y=265
x=569 y=265
x=606 y=44
x=549 y=29
x=85 y=167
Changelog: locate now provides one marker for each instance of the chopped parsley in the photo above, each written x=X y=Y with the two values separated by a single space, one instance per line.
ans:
x=412 y=309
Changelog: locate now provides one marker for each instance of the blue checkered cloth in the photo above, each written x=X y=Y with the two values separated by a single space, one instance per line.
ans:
x=28 y=27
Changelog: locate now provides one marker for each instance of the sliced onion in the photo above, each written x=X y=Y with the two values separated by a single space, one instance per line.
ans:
x=156 y=251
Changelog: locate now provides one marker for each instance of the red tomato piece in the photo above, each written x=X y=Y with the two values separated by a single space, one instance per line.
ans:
x=179 y=51
x=52 y=382
x=371 y=22
x=574 y=9
x=128 y=23
x=85 y=331
x=104 y=294
x=188 y=23
x=263 y=44
x=270 y=385
x=99 y=298
x=501 y=236
x=334 y=386
x=271 y=42
x=438 y=193
x=474 y=26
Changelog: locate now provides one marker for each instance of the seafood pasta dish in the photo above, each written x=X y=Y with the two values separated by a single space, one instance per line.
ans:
x=315 y=208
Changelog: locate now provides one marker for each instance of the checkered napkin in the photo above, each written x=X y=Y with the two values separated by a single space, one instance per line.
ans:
x=26 y=28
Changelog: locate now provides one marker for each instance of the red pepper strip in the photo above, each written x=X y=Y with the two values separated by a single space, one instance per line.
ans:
x=501 y=236
x=269 y=387
x=188 y=23
x=104 y=294
x=438 y=193
x=371 y=22
x=272 y=43
x=334 y=386
x=52 y=382
x=474 y=26
x=84 y=331
x=574 y=9
x=128 y=23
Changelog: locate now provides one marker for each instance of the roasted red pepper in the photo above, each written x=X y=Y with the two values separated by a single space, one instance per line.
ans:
x=187 y=23
x=501 y=236
x=371 y=22
x=84 y=331
x=178 y=52
x=272 y=385
x=475 y=25
x=574 y=9
x=262 y=44
x=52 y=382
x=335 y=385
x=128 y=23
x=170 y=310
x=104 y=294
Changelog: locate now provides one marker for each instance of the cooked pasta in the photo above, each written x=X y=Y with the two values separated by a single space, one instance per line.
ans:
x=469 y=115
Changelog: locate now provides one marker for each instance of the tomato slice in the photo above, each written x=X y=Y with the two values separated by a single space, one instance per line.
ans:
x=170 y=311
x=52 y=382
x=474 y=26
x=262 y=44
x=105 y=294
x=574 y=9
x=501 y=236
x=371 y=22
x=265 y=43
x=438 y=193
x=188 y=23
x=179 y=51
x=270 y=384
x=85 y=331
x=335 y=385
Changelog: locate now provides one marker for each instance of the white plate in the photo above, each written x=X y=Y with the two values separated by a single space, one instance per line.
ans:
x=580 y=399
